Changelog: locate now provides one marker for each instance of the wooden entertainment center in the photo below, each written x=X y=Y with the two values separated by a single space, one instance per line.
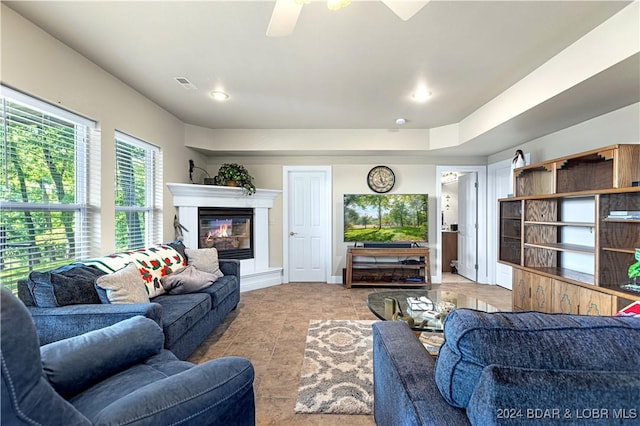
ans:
x=565 y=234
x=406 y=271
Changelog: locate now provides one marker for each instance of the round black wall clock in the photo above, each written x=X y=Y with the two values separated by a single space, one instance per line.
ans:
x=381 y=179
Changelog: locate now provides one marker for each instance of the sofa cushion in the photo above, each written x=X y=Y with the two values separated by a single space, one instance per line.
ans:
x=205 y=260
x=474 y=340
x=124 y=286
x=153 y=263
x=180 y=313
x=187 y=280
x=511 y=395
x=221 y=289
x=165 y=391
x=67 y=285
x=94 y=400
x=94 y=356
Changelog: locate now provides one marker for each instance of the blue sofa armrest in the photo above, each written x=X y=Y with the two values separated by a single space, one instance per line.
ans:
x=217 y=392
x=230 y=267
x=53 y=324
x=404 y=387
x=512 y=395
x=546 y=341
x=73 y=365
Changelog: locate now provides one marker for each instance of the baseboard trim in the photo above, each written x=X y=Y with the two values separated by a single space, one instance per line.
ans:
x=262 y=279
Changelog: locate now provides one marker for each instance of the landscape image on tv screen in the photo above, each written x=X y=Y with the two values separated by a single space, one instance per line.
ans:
x=385 y=217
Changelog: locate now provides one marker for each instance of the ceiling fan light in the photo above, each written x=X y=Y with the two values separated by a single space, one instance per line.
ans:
x=337 y=4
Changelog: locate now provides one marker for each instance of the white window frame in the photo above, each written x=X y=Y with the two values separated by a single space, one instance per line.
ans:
x=83 y=128
x=153 y=192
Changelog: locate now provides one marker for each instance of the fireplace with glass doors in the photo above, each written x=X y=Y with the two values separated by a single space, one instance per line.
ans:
x=229 y=230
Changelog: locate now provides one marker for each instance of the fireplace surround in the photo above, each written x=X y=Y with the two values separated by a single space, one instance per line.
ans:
x=255 y=272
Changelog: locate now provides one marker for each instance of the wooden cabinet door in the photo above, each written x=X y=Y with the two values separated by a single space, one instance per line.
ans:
x=566 y=297
x=541 y=293
x=595 y=303
x=521 y=293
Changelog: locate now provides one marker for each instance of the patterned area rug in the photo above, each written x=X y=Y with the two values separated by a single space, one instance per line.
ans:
x=337 y=370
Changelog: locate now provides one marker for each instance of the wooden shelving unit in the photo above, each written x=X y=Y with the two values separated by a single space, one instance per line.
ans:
x=364 y=269
x=568 y=254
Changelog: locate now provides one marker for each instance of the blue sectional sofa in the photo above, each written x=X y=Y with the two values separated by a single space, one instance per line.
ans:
x=510 y=368
x=70 y=310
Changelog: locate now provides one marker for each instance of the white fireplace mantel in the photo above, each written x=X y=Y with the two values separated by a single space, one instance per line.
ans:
x=185 y=194
x=255 y=273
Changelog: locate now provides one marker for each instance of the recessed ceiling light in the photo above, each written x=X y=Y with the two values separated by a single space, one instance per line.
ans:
x=400 y=121
x=219 y=96
x=421 y=95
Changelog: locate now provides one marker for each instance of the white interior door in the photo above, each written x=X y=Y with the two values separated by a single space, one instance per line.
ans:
x=468 y=226
x=503 y=183
x=307 y=226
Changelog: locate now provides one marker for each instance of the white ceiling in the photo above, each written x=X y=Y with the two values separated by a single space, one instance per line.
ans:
x=349 y=69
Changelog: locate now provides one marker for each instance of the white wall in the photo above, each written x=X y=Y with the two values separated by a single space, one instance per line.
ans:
x=620 y=126
x=39 y=65
x=349 y=176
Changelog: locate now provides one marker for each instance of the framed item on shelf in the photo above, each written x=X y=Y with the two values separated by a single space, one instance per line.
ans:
x=381 y=179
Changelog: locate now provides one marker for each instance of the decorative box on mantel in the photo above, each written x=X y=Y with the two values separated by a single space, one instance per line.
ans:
x=251 y=241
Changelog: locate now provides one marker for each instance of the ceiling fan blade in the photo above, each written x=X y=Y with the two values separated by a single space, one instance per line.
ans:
x=405 y=9
x=284 y=18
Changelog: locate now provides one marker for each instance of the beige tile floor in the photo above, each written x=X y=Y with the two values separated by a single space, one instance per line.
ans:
x=269 y=327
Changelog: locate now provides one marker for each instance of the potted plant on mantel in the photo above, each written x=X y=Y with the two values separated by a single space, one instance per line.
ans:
x=232 y=174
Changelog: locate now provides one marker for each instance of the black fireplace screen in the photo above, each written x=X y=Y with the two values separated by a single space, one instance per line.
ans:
x=229 y=230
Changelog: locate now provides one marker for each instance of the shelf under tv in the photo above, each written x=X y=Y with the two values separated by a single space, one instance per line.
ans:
x=422 y=268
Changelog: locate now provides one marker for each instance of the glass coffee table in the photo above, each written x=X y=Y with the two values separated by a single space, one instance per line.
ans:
x=427 y=315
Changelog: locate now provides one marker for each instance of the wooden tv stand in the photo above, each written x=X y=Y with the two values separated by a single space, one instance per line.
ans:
x=397 y=270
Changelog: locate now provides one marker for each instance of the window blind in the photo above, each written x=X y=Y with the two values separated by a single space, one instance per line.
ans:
x=43 y=186
x=138 y=193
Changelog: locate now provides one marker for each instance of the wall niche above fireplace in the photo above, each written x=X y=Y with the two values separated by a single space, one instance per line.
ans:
x=229 y=230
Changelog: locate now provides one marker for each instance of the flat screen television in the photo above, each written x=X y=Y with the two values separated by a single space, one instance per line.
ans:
x=391 y=218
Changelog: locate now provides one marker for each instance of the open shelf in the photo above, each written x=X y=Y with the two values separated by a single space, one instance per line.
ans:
x=615 y=166
x=535 y=179
x=577 y=224
x=620 y=250
x=399 y=265
x=574 y=248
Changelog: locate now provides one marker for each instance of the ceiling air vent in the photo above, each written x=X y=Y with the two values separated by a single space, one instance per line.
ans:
x=184 y=82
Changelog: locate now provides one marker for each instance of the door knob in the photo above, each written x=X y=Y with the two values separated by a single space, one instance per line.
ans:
x=293 y=233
